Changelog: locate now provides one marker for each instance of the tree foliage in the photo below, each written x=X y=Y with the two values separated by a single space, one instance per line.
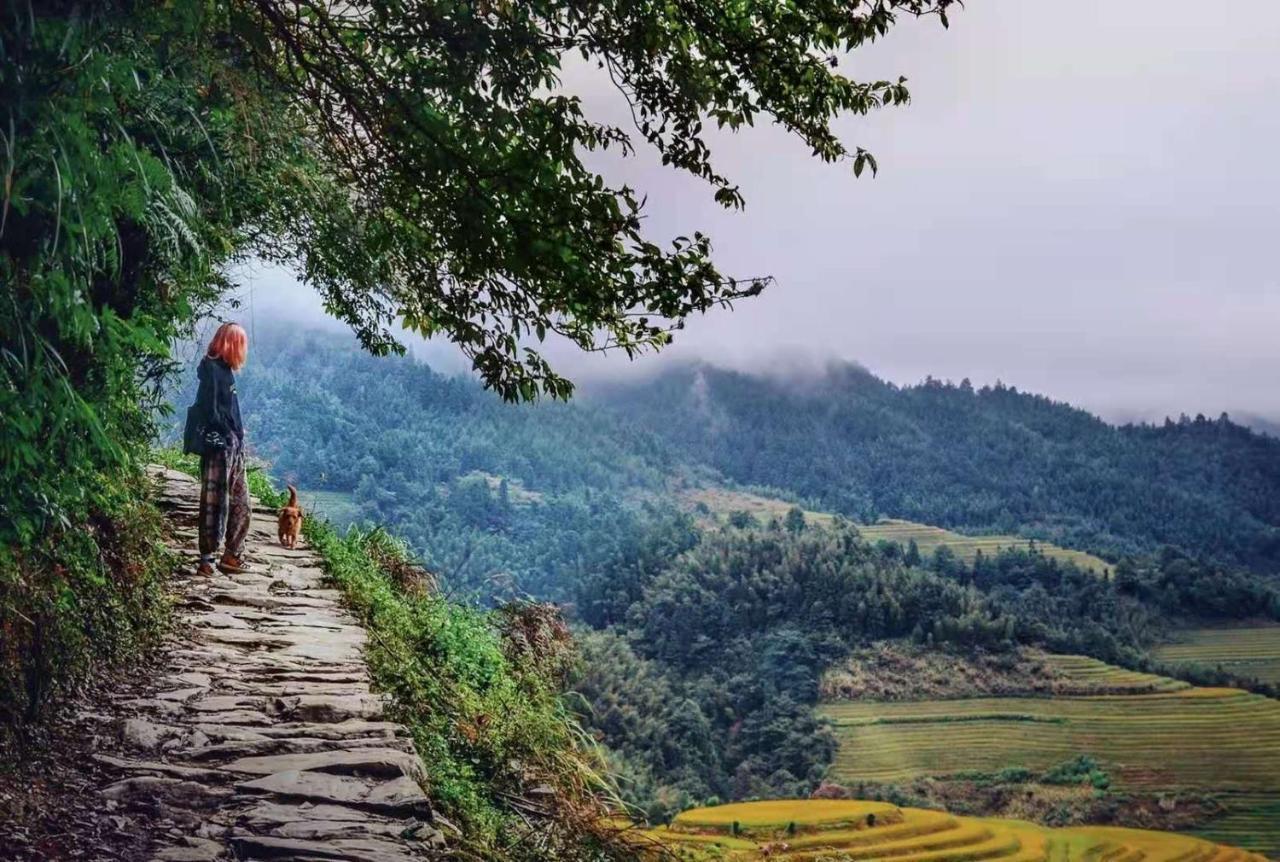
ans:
x=124 y=175
x=476 y=215
x=415 y=160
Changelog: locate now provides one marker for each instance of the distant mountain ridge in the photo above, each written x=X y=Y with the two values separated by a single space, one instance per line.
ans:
x=975 y=459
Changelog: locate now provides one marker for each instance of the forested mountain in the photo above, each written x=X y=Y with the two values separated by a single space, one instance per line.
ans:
x=991 y=459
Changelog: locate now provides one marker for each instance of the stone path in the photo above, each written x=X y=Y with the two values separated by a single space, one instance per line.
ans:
x=260 y=739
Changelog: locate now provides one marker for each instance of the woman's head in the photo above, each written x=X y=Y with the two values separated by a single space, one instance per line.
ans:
x=230 y=344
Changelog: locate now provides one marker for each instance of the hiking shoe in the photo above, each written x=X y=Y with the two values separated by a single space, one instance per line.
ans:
x=233 y=565
x=205 y=569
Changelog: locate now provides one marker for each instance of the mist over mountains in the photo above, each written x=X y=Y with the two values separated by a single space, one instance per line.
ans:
x=1134 y=382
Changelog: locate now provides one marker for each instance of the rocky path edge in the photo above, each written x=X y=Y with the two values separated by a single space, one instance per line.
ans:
x=259 y=736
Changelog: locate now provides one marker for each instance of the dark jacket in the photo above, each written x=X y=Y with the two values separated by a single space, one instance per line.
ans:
x=217 y=395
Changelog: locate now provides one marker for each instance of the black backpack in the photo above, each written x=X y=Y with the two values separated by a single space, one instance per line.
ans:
x=197 y=437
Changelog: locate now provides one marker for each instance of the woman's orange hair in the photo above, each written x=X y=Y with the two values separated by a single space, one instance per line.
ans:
x=230 y=344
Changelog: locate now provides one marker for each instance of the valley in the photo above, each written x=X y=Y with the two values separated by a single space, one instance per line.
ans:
x=897 y=633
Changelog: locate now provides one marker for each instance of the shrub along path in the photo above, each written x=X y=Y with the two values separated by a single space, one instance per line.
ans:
x=259 y=737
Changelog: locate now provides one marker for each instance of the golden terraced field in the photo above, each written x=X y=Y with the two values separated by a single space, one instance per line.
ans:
x=1246 y=651
x=723 y=501
x=808 y=829
x=1149 y=733
x=1109 y=679
x=1211 y=738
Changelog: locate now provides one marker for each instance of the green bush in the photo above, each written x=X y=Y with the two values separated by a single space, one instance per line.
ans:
x=75 y=598
x=1079 y=770
x=1014 y=775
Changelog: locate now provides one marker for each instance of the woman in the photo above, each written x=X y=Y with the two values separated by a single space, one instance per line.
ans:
x=224 y=495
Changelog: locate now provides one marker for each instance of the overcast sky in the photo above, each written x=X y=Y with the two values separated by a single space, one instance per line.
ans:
x=1083 y=199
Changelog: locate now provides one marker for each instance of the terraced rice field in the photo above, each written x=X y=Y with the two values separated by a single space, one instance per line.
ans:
x=852 y=830
x=1249 y=815
x=1150 y=733
x=1247 y=651
x=723 y=501
x=929 y=539
x=778 y=813
x=1223 y=739
x=1108 y=679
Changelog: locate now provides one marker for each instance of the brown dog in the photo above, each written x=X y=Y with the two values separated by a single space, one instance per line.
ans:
x=290 y=520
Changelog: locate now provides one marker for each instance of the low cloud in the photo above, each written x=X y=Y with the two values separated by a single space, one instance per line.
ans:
x=1080 y=201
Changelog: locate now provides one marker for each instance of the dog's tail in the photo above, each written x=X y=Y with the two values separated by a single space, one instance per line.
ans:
x=293 y=497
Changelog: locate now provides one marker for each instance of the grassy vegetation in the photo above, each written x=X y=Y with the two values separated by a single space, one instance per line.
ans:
x=914 y=835
x=1245 y=651
x=479 y=691
x=723 y=502
x=1205 y=738
x=1148 y=734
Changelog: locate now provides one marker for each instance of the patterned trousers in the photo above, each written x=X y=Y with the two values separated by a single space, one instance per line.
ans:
x=224 y=500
